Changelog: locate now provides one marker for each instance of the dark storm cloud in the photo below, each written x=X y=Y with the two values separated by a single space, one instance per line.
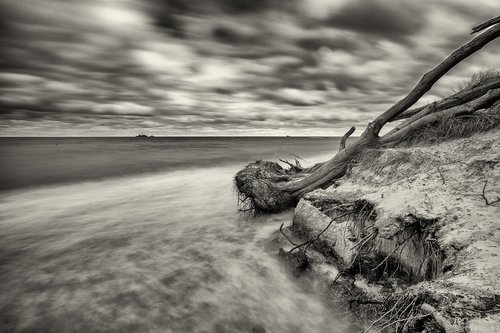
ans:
x=108 y=67
x=228 y=35
x=168 y=14
x=245 y=6
x=229 y=6
x=290 y=96
x=344 y=82
x=387 y=19
x=315 y=43
x=170 y=23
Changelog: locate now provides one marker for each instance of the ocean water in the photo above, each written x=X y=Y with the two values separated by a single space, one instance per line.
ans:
x=144 y=235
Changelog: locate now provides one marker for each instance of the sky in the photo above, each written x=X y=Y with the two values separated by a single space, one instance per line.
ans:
x=224 y=67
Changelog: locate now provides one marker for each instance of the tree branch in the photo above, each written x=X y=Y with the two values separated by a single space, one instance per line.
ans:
x=283 y=193
x=312 y=240
x=431 y=77
x=345 y=137
x=486 y=24
x=460 y=97
x=287 y=238
x=430 y=118
x=441 y=174
x=483 y=195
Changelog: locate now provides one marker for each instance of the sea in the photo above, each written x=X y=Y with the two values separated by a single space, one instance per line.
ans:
x=145 y=235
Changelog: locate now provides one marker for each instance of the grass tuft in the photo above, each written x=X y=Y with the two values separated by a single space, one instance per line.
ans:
x=456 y=127
x=480 y=78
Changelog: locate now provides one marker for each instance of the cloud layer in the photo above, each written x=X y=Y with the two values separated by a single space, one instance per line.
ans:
x=223 y=67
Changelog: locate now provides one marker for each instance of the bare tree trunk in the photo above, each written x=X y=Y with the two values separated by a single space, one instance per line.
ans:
x=284 y=193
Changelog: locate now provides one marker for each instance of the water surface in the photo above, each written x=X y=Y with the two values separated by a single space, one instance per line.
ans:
x=146 y=251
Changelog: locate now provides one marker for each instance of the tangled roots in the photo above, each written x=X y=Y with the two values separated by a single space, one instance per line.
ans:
x=258 y=188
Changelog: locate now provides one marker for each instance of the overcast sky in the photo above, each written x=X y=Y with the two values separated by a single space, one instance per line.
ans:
x=223 y=67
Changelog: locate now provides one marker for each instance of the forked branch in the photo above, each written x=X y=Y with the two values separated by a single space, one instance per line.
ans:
x=459 y=98
x=433 y=117
x=312 y=240
x=483 y=195
x=431 y=77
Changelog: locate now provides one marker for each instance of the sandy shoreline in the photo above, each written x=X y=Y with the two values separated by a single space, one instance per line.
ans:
x=420 y=233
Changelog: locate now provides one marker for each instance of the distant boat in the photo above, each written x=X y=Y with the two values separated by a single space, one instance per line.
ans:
x=141 y=135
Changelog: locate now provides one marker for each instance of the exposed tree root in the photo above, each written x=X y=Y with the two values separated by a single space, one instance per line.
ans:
x=395 y=249
x=365 y=240
x=294 y=167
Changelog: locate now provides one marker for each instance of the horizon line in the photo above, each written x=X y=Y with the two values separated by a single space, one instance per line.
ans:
x=189 y=136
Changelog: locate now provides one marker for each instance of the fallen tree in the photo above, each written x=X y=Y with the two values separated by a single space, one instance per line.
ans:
x=266 y=187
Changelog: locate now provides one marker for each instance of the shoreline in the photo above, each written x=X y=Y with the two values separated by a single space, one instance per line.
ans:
x=415 y=253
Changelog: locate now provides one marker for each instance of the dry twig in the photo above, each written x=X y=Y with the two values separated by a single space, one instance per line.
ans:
x=405 y=320
x=483 y=195
x=287 y=238
x=441 y=174
x=384 y=314
x=312 y=240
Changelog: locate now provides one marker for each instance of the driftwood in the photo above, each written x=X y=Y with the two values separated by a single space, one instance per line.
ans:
x=270 y=192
